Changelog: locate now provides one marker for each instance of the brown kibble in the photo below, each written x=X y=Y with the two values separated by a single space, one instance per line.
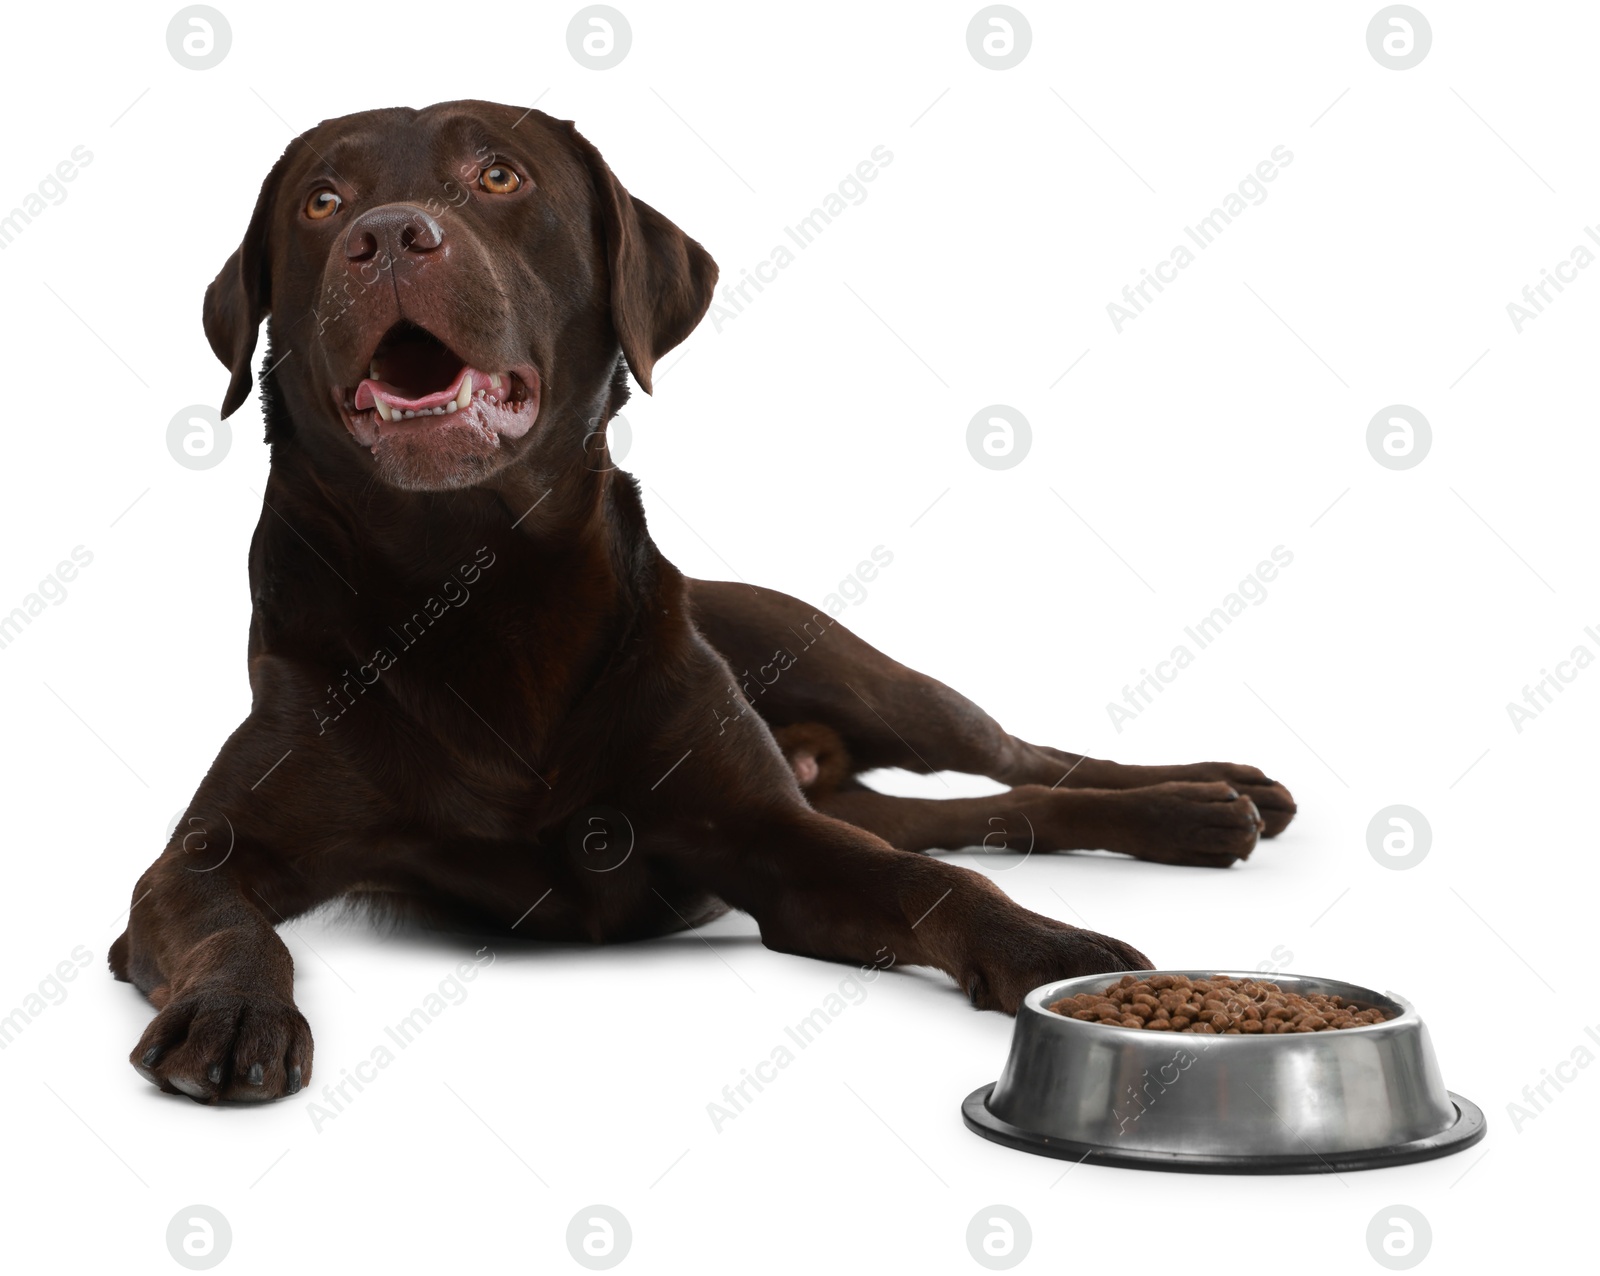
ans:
x=1219 y=1005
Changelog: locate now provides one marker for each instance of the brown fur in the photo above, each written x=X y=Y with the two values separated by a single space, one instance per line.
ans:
x=555 y=696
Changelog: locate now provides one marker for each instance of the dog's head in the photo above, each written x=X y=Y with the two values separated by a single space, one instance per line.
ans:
x=449 y=289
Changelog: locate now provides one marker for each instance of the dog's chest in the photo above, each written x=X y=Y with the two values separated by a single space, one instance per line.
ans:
x=482 y=713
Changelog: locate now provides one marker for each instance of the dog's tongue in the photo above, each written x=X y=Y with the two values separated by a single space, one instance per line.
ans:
x=370 y=391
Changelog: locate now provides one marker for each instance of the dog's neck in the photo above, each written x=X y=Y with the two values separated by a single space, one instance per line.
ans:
x=566 y=528
x=546 y=510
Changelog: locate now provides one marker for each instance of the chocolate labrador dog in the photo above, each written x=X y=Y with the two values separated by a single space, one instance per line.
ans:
x=480 y=693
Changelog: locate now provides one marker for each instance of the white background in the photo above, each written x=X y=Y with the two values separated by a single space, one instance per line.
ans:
x=1224 y=421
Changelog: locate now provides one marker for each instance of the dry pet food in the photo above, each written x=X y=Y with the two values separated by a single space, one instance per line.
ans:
x=1176 y=1003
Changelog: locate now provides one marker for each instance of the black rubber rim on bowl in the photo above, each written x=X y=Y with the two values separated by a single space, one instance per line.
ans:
x=1468 y=1129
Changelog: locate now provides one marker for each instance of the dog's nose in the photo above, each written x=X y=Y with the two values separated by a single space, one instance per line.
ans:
x=405 y=227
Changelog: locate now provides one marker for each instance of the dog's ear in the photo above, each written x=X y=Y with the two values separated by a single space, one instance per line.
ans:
x=661 y=280
x=239 y=298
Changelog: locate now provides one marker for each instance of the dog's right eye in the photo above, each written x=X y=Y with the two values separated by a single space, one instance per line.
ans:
x=323 y=203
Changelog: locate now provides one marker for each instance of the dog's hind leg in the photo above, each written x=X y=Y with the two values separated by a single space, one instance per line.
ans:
x=1209 y=825
x=798 y=665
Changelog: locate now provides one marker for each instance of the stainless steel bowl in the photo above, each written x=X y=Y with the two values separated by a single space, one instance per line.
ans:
x=1286 y=1103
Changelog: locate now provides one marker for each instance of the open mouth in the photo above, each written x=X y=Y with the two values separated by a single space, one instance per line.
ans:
x=415 y=383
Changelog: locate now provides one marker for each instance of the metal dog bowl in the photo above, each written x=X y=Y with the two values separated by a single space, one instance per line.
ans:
x=1284 y=1103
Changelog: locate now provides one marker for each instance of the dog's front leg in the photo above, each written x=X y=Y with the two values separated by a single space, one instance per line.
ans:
x=200 y=946
x=200 y=941
x=820 y=887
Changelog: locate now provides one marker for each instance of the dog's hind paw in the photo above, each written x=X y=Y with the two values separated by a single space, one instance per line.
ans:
x=1207 y=825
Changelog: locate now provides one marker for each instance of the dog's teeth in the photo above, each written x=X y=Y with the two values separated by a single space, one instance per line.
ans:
x=494 y=380
x=464 y=395
x=372 y=371
x=383 y=409
x=409 y=415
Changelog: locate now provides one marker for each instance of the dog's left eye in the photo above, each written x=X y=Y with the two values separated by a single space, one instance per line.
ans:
x=323 y=203
x=497 y=179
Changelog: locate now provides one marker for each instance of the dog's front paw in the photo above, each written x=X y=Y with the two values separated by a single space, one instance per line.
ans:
x=216 y=1043
x=1052 y=953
